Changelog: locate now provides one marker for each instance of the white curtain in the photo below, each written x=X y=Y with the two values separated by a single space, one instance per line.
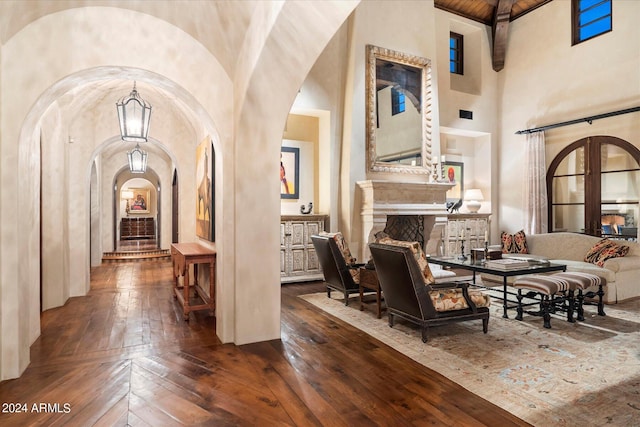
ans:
x=535 y=193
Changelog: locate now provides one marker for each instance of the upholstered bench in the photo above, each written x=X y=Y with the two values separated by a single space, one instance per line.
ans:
x=547 y=286
x=581 y=281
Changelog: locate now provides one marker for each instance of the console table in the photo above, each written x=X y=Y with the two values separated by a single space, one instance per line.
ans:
x=182 y=256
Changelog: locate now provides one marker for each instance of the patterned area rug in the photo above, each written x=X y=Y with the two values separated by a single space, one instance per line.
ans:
x=575 y=374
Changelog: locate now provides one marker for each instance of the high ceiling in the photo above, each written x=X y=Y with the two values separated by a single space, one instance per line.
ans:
x=484 y=10
x=495 y=13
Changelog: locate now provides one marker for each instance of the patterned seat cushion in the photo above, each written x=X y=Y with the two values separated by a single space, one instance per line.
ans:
x=452 y=299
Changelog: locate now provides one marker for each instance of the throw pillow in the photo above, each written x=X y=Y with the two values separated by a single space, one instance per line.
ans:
x=418 y=254
x=603 y=250
x=514 y=243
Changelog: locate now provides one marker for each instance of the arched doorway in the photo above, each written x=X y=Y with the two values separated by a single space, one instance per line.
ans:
x=594 y=188
x=138 y=212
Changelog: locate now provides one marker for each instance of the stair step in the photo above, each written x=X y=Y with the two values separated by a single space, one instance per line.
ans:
x=135 y=256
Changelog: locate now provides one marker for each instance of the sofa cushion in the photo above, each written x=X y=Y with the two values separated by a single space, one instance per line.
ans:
x=418 y=254
x=452 y=299
x=514 y=243
x=587 y=267
x=603 y=250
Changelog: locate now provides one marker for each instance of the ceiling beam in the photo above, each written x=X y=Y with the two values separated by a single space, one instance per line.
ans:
x=500 y=31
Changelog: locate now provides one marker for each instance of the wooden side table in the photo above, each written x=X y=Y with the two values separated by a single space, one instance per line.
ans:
x=369 y=280
x=182 y=256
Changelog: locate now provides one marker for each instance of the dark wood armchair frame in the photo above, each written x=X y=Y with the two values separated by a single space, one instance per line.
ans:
x=334 y=267
x=407 y=295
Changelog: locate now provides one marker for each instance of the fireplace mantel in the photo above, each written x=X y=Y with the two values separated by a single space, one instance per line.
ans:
x=383 y=198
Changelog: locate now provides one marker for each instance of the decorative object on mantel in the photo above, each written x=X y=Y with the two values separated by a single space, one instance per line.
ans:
x=308 y=210
x=473 y=197
x=454 y=207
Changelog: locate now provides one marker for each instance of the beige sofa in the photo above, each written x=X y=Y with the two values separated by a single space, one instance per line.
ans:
x=622 y=274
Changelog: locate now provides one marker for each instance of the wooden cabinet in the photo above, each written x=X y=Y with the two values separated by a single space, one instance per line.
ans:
x=137 y=228
x=298 y=260
x=474 y=225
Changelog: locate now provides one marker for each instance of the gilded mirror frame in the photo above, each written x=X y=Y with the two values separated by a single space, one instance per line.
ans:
x=372 y=54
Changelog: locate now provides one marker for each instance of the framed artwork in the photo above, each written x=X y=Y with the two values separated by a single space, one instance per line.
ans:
x=139 y=202
x=454 y=173
x=290 y=173
x=205 y=200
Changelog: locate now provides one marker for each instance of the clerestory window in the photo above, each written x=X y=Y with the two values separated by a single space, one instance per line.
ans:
x=456 y=43
x=590 y=18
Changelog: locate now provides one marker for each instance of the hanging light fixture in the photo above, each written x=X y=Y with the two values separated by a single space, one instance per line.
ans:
x=137 y=160
x=134 y=115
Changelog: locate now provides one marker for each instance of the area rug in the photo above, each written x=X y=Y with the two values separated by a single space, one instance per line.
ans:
x=575 y=374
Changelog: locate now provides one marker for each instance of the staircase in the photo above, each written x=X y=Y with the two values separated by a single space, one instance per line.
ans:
x=144 y=255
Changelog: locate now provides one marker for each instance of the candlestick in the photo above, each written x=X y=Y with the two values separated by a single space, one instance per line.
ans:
x=486 y=236
x=434 y=175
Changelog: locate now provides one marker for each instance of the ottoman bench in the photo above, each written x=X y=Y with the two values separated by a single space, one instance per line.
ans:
x=547 y=286
x=580 y=281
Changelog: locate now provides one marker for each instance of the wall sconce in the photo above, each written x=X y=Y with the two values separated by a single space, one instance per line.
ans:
x=137 y=160
x=472 y=198
x=134 y=115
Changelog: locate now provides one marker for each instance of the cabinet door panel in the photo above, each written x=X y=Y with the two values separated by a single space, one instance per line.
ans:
x=297 y=233
x=297 y=261
x=313 y=266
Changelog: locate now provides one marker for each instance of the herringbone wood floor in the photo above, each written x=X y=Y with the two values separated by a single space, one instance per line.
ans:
x=122 y=356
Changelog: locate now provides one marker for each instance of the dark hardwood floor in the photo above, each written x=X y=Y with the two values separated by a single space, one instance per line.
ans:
x=123 y=356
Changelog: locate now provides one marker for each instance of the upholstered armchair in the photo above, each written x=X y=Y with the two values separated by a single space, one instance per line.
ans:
x=341 y=272
x=412 y=294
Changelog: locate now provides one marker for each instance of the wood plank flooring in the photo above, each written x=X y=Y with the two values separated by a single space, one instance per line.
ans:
x=122 y=356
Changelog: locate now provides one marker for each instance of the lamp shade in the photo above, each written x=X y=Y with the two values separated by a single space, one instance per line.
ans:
x=472 y=198
x=126 y=194
x=137 y=160
x=134 y=115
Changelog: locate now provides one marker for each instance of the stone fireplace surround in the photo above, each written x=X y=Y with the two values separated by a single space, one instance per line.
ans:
x=381 y=199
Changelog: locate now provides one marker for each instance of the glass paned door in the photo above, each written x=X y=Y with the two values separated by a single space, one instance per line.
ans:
x=620 y=195
x=568 y=201
x=594 y=185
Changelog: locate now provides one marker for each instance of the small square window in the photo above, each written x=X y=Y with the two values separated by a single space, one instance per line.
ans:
x=590 y=18
x=456 y=56
x=397 y=101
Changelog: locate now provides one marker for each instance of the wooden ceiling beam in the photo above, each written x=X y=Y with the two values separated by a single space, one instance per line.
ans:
x=500 y=31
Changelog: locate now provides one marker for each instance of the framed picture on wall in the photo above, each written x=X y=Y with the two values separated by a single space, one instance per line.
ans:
x=205 y=203
x=139 y=202
x=289 y=173
x=454 y=173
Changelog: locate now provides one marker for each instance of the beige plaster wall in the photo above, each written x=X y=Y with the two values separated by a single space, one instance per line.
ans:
x=546 y=81
x=39 y=65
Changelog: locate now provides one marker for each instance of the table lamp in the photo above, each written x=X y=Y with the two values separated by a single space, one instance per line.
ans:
x=472 y=199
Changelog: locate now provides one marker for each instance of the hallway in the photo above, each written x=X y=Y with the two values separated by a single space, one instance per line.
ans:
x=122 y=356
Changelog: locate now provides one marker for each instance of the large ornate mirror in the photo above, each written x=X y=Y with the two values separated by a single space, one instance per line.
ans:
x=398 y=96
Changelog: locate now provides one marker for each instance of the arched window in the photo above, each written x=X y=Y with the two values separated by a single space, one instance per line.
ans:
x=594 y=188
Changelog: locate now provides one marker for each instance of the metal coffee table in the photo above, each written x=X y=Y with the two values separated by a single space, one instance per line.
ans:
x=534 y=267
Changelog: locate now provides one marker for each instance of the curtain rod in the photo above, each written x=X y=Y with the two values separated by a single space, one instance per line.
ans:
x=585 y=119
